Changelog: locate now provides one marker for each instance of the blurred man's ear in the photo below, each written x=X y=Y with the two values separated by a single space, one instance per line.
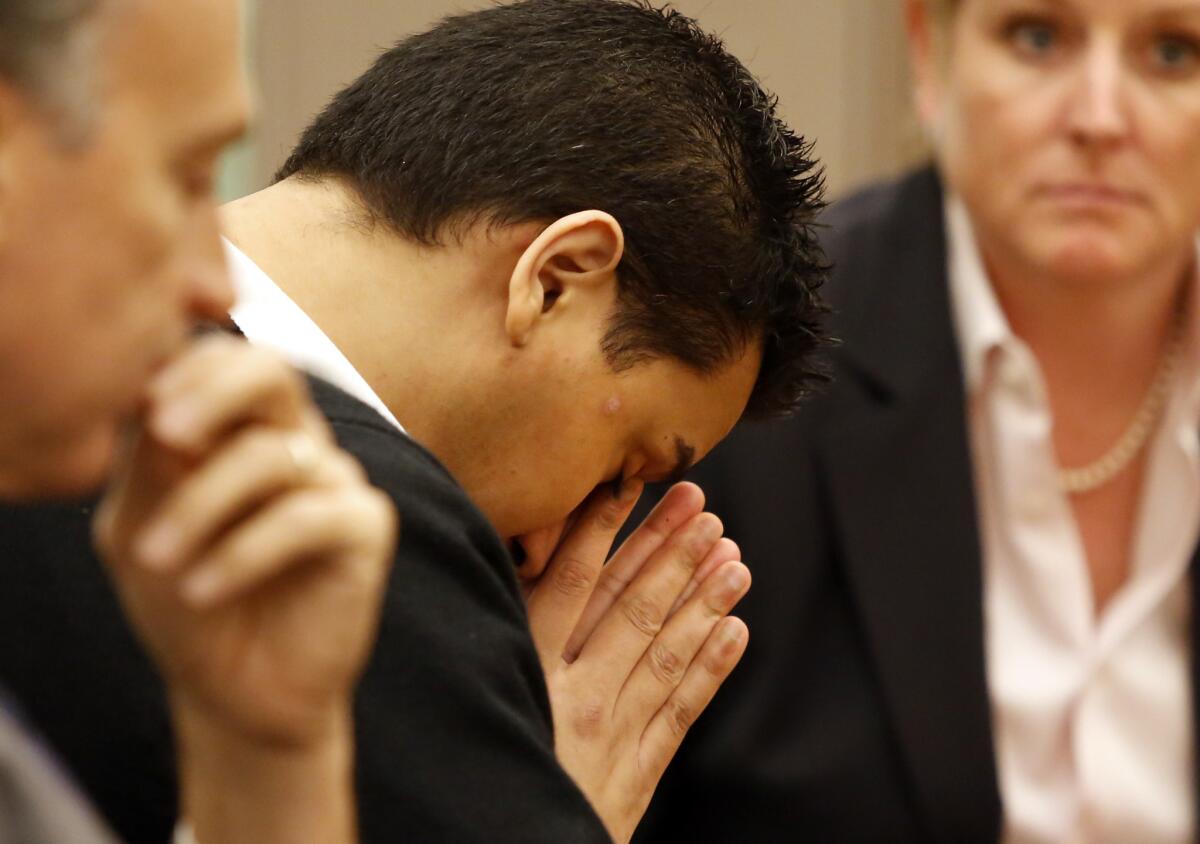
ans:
x=925 y=50
x=575 y=257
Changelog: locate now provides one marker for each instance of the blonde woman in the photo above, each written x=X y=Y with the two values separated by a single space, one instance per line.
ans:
x=974 y=606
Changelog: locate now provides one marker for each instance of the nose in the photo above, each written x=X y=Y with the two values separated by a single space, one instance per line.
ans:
x=207 y=286
x=1098 y=110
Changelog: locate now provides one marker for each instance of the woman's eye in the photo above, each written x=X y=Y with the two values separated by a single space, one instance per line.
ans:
x=1033 y=38
x=1175 y=54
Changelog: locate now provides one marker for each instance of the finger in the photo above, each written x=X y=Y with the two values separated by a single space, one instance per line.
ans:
x=220 y=385
x=142 y=474
x=719 y=656
x=682 y=502
x=355 y=524
x=724 y=551
x=666 y=662
x=626 y=631
x=566 y=586
x=251 y=467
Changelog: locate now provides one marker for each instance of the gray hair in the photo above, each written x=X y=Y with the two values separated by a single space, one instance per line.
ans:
x=46 y=48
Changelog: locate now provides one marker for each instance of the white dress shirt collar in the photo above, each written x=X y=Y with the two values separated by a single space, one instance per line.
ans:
x=269 y=318
x=980 y=323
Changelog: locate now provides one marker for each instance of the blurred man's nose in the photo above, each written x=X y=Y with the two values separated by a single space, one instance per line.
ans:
x=208 y=287
x=1098 y=108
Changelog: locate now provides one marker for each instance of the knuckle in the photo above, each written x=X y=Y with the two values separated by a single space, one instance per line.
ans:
x=349 y=467
x=269 y=367
x=666 y=665
x=610 y=518
x=310 y=509
x=680 y=716
x=382 y=504
x=611 y=586
x=712 y=611
x=573 y=578
x=714 y=607
x=384 y=518
x=697 y=541
x=589 y=718
x=642 y=615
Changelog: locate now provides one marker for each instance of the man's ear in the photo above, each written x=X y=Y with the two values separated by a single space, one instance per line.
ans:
x=927 y=58
x=575 y=253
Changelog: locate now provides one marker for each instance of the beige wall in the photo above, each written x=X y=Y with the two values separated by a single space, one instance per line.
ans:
x=837 y=66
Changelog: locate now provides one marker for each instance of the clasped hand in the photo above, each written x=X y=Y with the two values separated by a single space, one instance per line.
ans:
x=634 y=650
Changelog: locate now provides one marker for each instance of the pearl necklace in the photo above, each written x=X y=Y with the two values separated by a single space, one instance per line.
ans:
x=1117 y=459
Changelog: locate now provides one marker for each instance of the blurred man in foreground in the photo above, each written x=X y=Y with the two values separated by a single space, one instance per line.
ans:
x=112 y=114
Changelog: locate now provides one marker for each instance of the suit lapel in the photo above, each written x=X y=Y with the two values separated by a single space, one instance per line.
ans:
x=903 y=498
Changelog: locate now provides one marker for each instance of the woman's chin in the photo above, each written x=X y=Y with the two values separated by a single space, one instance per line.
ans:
x=1089 y=260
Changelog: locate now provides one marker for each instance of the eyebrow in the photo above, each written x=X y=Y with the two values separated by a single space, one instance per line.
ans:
x=685 y=456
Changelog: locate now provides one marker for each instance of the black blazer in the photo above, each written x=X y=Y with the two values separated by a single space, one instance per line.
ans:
x=453 y=722
x=860 y=712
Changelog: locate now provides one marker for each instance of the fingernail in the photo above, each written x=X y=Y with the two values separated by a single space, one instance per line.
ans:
x=736 y=579
x=157 y=547
x=203 y=587
x=710 y=529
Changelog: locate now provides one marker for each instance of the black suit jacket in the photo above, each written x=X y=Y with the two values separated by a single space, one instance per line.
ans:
x=860 y=712
x=453 y=722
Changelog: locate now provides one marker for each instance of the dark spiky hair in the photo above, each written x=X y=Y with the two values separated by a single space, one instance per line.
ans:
x=538 y=109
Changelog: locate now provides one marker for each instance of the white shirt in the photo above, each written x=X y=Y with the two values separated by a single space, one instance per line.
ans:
x=1092 y=717
x=269 y=318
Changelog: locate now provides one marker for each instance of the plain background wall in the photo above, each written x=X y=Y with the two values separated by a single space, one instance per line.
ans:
x=838 y=67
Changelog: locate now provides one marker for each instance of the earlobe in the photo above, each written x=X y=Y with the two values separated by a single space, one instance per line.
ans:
x=577 y=253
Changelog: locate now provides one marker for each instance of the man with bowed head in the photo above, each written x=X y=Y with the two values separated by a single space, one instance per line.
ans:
x=565 y=246
x=112 y=113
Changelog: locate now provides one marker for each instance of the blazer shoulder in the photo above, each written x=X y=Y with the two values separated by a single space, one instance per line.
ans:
x=877 y=240
x=866 y=220
x=455 y=729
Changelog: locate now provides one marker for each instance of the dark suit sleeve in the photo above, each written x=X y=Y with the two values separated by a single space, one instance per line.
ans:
x=454 y=728
x=454 y=739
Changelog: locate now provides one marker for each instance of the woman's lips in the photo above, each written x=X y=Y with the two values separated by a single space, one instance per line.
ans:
x=1090 y=194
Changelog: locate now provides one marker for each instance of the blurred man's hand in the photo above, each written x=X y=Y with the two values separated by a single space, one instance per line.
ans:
x=250 y=554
